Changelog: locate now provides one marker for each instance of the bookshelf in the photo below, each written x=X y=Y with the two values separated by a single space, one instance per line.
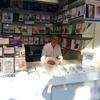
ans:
x=75 y=25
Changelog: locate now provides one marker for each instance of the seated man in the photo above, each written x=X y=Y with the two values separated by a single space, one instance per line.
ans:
x=52 y=51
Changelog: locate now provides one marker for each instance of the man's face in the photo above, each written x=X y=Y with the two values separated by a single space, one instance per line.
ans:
x=55 y=40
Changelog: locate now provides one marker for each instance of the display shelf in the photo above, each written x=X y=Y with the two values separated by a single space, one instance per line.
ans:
x=79 y=19
x=76 y=36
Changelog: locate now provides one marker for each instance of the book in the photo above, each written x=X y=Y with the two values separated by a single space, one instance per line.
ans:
x=78 y=28
x=15 y=17
x=73 y=12
x=69 y=29
x=34 y=29
x=18 y=29
x=26 y=40
x=68 y=43
x=24 y=29
x=29 y=30
x=5 y=28
x=1 y=52
x=14 y=3
x=89 y=11
x=8 y=65
x=36 y=40
x=73 y=29
x=97 y=11
x=11 y=29
x=15 y=41
x=30 y=40
x=80 y=11
x=21 y=17
x=19 y=52
x=8 y=52
x=47 y=19
x=43 y=19
x=20 y=64
x=76 y=44
x=1 y=63
x=28 y=5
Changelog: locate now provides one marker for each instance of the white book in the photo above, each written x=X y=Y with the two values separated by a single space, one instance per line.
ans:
x=20 y=64
x=1 y=62
x=8 y=65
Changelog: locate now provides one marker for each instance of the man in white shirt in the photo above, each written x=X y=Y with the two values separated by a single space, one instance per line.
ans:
x=52 y=51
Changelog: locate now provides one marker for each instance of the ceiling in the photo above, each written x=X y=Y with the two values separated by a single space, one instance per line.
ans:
x=44 y=1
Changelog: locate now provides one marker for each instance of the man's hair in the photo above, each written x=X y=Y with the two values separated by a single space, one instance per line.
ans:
x=57 y=35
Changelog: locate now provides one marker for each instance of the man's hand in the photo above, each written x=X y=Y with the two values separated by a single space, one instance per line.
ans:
x=51 y=62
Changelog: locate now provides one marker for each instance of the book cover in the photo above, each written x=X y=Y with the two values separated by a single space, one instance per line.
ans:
x=68 y=43
x=30 y=40
x=43 y=19
x=4 y=17
x=36 y=40
x=89 y=11
x=40 y=30
x=18 y=29
x=14 y=3
x=4 y=41
x=20 y=64
x=1 y=52
x=42 y=40
x=19 y=52
x=15 y=17
x=8 y=52
x=24 y=29
x=34 y=29
x=76 y=44
x=73 y=29
x=38 y=19
x=47 y=19
x=78 y=28
x=73 y=12
x=28 y=5
x=11 y=28
x=69 y=29
x=1 y=63
x=8 y=65
x=29 y=30
x=5 y=28
x=80 y=11
x=15 y=41
x=97 y=11
x=26 y=40
x=21 y=17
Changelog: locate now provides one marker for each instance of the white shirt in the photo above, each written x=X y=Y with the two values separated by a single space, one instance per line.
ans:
x=50 y=52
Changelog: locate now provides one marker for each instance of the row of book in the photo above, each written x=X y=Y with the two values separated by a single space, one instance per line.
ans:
x=27 y=18
x=36 y=40
x=28 y=5
x=12 y=60
x=72 y=29
x=27 y=29
x=74 y=44
x=72 y=13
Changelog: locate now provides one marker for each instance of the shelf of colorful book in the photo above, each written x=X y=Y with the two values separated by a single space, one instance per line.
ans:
x=71 y=49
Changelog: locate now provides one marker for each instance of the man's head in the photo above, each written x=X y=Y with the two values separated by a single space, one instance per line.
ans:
x=55 y=39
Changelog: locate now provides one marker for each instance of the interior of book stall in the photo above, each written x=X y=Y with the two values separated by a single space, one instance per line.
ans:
x=26 y=26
